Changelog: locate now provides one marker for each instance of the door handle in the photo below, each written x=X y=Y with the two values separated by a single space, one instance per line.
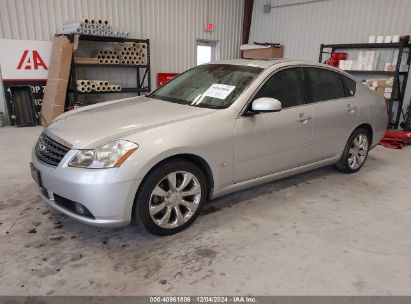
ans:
x=303 y=118
x=351 y=108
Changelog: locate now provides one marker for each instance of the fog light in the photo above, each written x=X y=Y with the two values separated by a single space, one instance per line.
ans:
x=79 y=208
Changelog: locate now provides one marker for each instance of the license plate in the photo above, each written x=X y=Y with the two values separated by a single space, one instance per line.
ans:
x=35 y=173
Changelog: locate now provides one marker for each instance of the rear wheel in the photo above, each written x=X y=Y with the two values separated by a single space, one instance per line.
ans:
x=171 y=197
x=355 y=152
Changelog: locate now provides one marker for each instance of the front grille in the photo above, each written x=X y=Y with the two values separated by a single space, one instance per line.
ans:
x=50 y=151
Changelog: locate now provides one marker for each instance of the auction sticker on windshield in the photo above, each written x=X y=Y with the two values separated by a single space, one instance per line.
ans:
x=220 y=91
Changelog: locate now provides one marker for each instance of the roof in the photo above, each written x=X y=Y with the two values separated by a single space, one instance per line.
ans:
x=261 y=63
x=265 y=63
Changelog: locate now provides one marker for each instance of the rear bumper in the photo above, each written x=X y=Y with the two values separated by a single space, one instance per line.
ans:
x=108 y=198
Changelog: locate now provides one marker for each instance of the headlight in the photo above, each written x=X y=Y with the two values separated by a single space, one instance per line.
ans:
x=109 y=155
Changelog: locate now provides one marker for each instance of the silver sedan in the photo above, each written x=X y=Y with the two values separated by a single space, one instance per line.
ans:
x=215 y=129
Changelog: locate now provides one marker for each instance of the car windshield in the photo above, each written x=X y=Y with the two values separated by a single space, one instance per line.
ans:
x=214 y=86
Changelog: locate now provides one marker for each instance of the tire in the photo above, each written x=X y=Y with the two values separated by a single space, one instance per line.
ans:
x=353 y=153
x=164 y=210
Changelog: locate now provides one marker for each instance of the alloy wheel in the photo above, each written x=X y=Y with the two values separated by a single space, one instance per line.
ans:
x=358 y=151
x=175 y=199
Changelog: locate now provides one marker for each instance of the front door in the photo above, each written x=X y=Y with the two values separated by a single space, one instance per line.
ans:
x=266 y=143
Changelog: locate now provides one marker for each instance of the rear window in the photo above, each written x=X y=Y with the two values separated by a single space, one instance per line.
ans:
x=350 y=86
x=325 y=85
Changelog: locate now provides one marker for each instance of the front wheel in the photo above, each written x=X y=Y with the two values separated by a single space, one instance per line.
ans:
x=355 y=152
x=171 y=197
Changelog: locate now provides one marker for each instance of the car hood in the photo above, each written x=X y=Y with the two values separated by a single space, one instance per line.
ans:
x=92 y=126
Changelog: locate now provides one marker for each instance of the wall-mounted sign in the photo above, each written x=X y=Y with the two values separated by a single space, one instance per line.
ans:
x=209 y=27
x=24 y=59
x=163 y=78
x=24 y=62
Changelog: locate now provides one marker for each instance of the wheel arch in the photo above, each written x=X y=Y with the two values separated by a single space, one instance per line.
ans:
x=369 y=129
x=196 y=159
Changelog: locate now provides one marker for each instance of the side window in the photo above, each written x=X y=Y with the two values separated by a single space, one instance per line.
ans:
x=350 y=86
x=325 y=85
x=286 y=86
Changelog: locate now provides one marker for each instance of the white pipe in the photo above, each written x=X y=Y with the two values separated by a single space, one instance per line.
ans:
x=97 y=82
x=81 y=88
x=81 y=82
x=297 y=3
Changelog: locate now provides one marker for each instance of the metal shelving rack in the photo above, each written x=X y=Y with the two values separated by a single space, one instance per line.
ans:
x=143 y=71
x=401 y=46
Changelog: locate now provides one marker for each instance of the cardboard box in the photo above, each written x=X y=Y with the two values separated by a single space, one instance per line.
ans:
x=271 y=52
x=56 y=87
x=49 y=112
x=60 y=60
x=380 y=83
x=381 y=90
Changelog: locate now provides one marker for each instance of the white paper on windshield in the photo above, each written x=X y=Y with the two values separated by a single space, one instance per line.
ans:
x=220 y=91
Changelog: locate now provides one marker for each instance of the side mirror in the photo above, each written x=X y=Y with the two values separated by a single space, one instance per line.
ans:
x=266 y=104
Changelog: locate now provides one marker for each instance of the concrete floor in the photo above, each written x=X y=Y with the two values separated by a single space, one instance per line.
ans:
x=319 y=233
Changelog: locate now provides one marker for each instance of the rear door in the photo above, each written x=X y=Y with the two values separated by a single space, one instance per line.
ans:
x=335 y=110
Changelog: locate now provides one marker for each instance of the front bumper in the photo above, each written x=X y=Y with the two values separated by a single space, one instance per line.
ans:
x=103 y=192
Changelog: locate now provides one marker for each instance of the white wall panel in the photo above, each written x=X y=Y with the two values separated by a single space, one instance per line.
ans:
x=172 y=25
x=302 y=28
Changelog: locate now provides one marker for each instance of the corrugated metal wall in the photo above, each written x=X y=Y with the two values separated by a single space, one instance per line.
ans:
x=172 y=25
x=302 y=28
